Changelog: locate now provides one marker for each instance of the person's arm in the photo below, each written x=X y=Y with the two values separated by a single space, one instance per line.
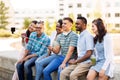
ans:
x=56 y=48
x=108 y=51
x=23 y=35
x=28 y=47
x=72 y=46
x=89 y=48
x=85 y=57
x=29 y=56
x=24 y=56
x=68 y=56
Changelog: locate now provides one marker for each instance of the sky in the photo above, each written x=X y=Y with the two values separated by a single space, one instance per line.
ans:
x=34 y=4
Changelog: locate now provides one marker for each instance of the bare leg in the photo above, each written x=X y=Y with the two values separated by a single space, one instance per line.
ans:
x=103 y=77
x=91 y=75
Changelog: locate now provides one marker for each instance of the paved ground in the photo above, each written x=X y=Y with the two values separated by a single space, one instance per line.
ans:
x=5 y=44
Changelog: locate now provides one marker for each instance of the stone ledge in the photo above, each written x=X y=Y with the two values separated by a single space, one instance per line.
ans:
x=8 y=59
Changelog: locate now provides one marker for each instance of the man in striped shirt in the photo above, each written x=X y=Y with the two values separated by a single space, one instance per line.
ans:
x=67 y=43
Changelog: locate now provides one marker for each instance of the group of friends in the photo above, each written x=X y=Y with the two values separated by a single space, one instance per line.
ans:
x=66 y=52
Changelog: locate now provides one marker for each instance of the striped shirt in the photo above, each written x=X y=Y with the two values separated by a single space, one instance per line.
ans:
x=67 y=40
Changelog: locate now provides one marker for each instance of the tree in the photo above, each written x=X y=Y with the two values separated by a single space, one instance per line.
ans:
x=26 y=23
x=47 y=27
x=53 y=26
x=72 y=17
x=50 y=28
x=3 y=15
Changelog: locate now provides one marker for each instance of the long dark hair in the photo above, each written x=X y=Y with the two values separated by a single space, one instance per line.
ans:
x=60 y=22
x=28 y=32
x=101 y=30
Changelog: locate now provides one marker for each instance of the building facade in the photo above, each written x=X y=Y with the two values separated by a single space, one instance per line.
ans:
x=107 y=10
x=33 y=14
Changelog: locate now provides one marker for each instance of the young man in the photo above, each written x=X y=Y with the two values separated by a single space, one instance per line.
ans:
x=66 y=43
x=36 y=47
x=85 y=46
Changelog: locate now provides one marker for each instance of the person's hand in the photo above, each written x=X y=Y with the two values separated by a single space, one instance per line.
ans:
x=72 y=61
x=50 y=48
x=26 y=58
x=62 y=66
x=46 y=56
x=102 y=72
x=20 y=61
x=23 y=35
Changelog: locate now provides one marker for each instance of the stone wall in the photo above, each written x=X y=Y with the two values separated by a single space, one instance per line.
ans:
x=8 y=59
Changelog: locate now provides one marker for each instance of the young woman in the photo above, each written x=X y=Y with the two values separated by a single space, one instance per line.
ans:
x=104 y=53
x=25 y=38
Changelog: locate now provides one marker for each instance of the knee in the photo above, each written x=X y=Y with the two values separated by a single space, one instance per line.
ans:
x=72 y=75
x=101 y=75
x=36 y=63
x=62 y=73
x=45 y=71
x=26 y=65
x=19 y=66
x=88 y=77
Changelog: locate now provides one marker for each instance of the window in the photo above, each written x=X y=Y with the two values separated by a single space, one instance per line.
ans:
x=108 y=15
x=70 y=6
x=79 y=15
x=88 y=15
x=61 y=4
x=117 y=14
x=61 y=14
x=61 y=9
x=79 y=5
x=117 y=25
x=16 y=12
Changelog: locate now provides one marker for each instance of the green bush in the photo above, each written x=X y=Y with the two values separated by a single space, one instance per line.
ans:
x=5 y=33
x=115 y=31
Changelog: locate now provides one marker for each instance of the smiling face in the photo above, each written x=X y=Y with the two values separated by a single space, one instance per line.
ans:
x=94 y=28
x=59 y=28
x=39 y=28
x=80 y=25
x=31 y=27
x=66 y=26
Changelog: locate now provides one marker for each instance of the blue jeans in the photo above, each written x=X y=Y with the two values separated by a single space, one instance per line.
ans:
x=59 y=70
x=52 y=66
x=41 y=63
x=27 y=66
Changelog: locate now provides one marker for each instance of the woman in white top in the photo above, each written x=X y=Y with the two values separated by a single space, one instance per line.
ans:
x=104 y=53
x=41 y=63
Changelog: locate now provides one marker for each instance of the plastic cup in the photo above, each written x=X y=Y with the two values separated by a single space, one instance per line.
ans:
x=93 y=60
